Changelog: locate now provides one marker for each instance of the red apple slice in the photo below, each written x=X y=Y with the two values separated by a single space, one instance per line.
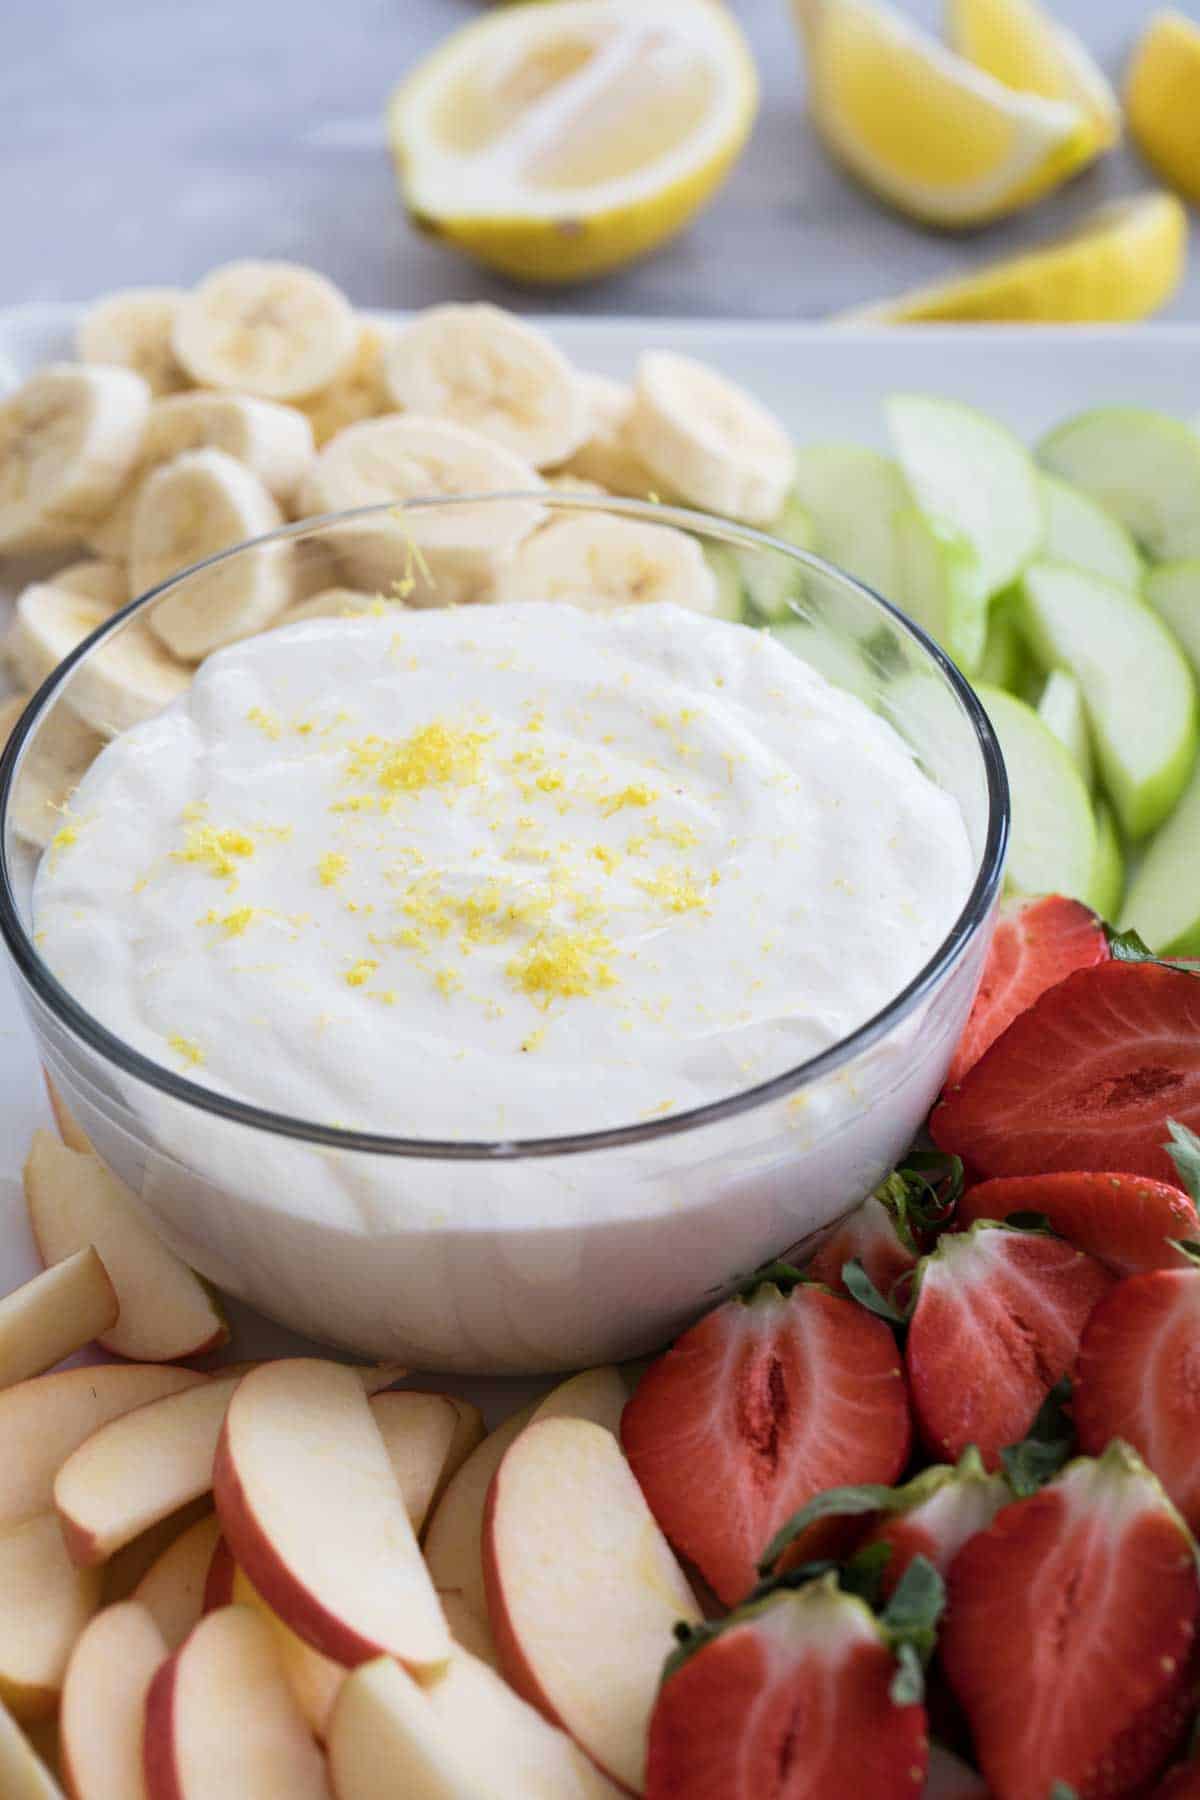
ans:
x=104 y=1702
x=45 y=1602
x=455 y=1532
x=418 y=1432
x=123 y=1571
x=469 y=1632
x=464 y=1735
x=469 y=1433
x=218 y=1583
x=166 y=1310
x=172 y=1589
x=43 y=1421
x=55 y=1314
x=583 y=1591
x=311 y=1510
x=139 y=1469
x=23 y=1774
x=314 y=1679
x=221 y=1721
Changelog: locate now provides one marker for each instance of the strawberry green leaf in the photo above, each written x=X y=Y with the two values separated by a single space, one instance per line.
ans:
x=782 y=1275
x=863 y=1574
x=1184 y=1151
x=859 y=1284
x=910 y=1620
x=1049 y=1445
x=834 y=1503
x=1029 y=1221
x=1061 y=1791
x=1127 y=946
x=1186 y=1247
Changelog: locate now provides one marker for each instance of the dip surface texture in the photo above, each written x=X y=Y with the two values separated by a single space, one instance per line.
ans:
x=499 y=873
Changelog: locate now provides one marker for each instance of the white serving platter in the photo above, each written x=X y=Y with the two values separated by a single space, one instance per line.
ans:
x=825 y=383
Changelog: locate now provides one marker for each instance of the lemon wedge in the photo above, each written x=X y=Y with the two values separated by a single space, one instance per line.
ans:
x=556 y=142
x=1027 y=50
x=926 y=130
x=1125 y=260
x=1162 y=97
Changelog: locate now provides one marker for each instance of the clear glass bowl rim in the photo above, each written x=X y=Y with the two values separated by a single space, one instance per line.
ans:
x=114 y=1050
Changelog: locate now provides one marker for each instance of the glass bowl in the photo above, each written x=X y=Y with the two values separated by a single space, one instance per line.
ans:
x=534 y=1255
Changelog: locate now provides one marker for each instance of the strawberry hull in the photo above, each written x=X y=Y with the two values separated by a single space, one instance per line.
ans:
x=1124 y=1221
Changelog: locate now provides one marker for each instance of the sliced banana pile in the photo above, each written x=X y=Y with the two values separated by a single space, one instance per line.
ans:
x=196 y=420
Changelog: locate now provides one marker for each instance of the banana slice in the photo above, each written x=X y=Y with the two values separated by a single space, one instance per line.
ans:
x=709 y=440
x=357 y=393
x=272 y=329
x=133 y=328
x=109 y=537
x=331 y=603
x=188 y=509
x=61 y=755
x=69 y=437
x=107 y=582
x=275 y=442
x=129 y=680
x=439 y=558
x=605 y=455
x=480 y=367
x=602 y=563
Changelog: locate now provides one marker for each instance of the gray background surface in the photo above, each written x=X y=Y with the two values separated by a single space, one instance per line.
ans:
x=147 y=142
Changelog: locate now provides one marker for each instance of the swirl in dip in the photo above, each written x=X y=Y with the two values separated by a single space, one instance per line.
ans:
x=500 y=872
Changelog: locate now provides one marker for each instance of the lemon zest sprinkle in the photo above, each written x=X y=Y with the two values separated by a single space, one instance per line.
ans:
x=332 y=866
x=187 y=1049
x=361 y=972
x=637 y=794
x=563 y=965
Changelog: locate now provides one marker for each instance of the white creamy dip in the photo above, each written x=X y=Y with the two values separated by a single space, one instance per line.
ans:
x=499 y=872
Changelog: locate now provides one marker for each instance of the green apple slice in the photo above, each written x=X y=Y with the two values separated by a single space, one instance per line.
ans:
x=731 y=603
x=1080 y=532
x=1173 y=590
x=852 y=497
x=1061 y=707
x=937 y=585
x=1108 y=870
x=1052 y=847
x=840 y=660
x=773 y=582
x=1144 y=467
x=1163 y=901
x=974 y=477
x=1137 y=687
x=1005 y=661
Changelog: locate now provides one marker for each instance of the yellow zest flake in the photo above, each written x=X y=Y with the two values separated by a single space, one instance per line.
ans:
x=550 y=782
x=361 y=972
x=447 y=982
x=435 y=756
x=186 y=1049
x=414 y=564
x=608 y=859
x=332 y=866
x=534 y=1040
x=679 y=893
x=386 y=997
x=267 y=723
x=357 y=803
x=64 y=837
x=659 y=1111
x=684 y=837
x=234 y=924
x=638 y=794
x=563 y=965
x=214 y=849
x=535 y=722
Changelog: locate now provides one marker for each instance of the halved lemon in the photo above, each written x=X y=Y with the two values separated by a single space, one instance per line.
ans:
x=1162 y=96
x=1124 y=261
x=557 y=142
x=936 y=136
x=1027 y=50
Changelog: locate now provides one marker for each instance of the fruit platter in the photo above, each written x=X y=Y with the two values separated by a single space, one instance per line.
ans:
x=547 y=744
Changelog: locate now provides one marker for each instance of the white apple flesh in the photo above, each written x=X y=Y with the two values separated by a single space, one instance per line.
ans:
x=310 y=1507
x=45 y=1602
x=172 y=1589
x=221 y=1720
x=104 y=1703
x=54 y=1315
x=583 y=1589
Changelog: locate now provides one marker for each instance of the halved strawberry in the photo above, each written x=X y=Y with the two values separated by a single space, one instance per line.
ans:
x=1036 y=943
x=1085 y=1079
x=764 y=1403
x=790 y=1697
x=1069 y=1630
x=1138 y=1378
x=1124 y=1221
x=996 y=1323
x=935 y=1513
x=952 y=1779
x=872 y=1235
